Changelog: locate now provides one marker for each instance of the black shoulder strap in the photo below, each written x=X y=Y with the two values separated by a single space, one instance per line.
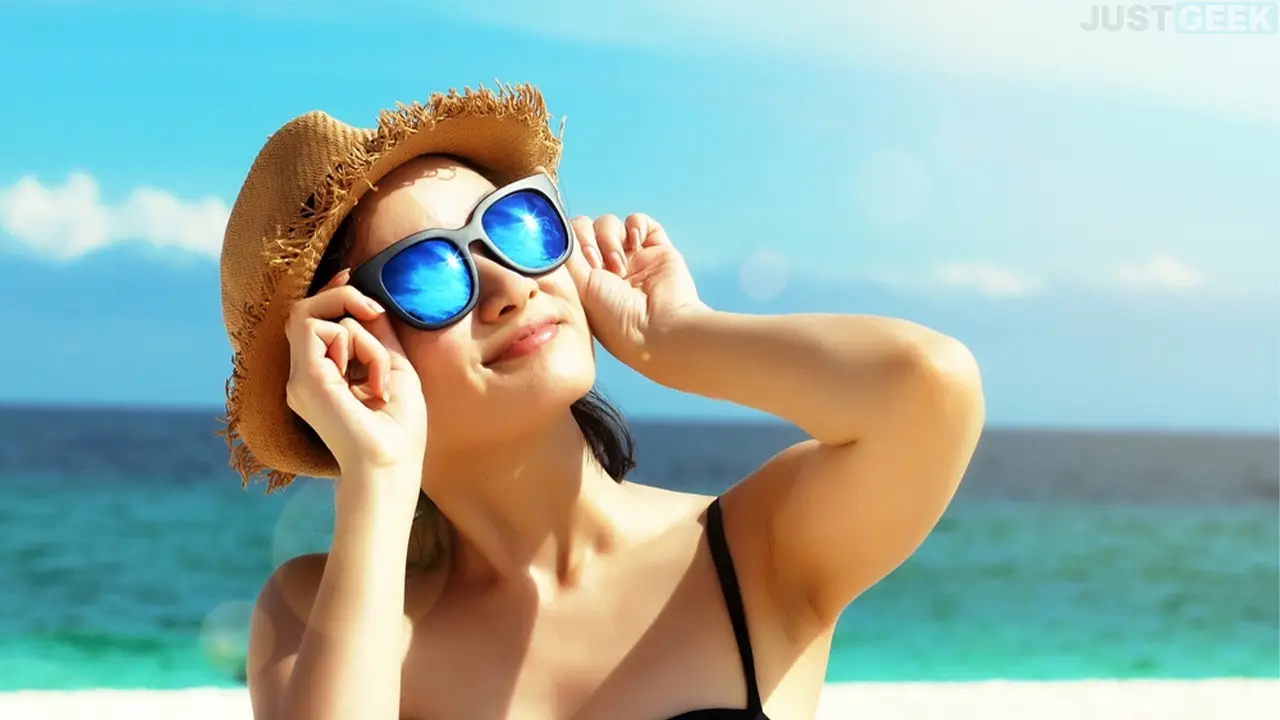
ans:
x=733 y=599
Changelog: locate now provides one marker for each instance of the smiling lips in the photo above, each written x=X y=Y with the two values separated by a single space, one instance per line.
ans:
x=527 y=340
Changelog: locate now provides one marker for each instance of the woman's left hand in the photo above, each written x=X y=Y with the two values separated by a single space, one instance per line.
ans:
x=632 y=281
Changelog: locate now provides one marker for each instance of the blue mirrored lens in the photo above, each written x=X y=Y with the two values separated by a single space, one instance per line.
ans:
x=429 y=281
x=526 y=228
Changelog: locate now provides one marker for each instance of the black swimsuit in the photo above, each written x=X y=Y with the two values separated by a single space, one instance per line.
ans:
x=733 y=599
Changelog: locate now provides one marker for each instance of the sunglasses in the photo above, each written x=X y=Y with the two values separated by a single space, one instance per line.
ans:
x=429 y=278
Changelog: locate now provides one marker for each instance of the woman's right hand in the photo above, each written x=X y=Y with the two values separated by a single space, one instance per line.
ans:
x=350 y=380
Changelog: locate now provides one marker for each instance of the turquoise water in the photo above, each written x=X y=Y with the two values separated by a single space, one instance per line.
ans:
x=1064 y=556
x=1035 y=591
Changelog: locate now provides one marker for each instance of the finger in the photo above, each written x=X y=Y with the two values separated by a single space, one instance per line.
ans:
x=384 y=332
x=336 y=302
x=337 y=346
x=373 y=356
x=309 y=316
x=339 y=278
x=579 y=268
x=610 y=234
x=586 y=234
x=312 y=365
x=355 y=372
x=654 y=233
x=637 y=225
x=323 y=352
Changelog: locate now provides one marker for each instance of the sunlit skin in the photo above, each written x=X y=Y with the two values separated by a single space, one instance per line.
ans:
x=569 y=595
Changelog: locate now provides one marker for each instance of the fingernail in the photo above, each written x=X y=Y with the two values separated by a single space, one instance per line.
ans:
x=386 y=383
x=338 y=278
x=374 y=306
x=619 y=262
x=593 y=257
x=633 y=238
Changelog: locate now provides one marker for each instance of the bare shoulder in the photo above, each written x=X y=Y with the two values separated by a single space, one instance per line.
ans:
x=749 y=505
x=748 y=509
x=288 y=595
x=280 y=620
x=790 y=649
x=754 y=498
x=293 y=585
x=281 y=612
x=277 y=627
x=656 y=509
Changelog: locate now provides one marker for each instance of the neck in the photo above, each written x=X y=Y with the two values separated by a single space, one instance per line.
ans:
x=532 y=508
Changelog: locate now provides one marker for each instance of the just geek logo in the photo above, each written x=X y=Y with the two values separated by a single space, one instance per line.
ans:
x=1192 y=18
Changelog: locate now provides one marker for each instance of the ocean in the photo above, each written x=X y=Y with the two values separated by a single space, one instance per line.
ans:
x=131 y=555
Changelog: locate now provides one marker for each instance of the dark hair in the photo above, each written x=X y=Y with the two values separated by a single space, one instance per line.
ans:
x=602 y=425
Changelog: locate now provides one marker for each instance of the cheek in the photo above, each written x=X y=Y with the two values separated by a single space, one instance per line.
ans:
x=560 y=285
x=441 y=359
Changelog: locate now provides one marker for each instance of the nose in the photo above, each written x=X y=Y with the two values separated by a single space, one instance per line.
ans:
x=502 y=291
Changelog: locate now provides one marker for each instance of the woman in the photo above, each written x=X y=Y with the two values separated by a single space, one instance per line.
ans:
x=412 y=311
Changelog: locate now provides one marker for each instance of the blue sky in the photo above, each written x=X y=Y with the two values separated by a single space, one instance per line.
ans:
x=1093 y=213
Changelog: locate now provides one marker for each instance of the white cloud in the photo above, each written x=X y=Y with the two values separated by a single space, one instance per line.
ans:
x=1022 y=40
x=1159 y=273
x=984 y=279
x=69 y=220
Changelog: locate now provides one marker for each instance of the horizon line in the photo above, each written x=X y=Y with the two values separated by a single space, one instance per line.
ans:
x=217 y=413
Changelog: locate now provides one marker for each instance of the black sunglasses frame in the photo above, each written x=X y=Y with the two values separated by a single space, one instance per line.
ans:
x=367 y=278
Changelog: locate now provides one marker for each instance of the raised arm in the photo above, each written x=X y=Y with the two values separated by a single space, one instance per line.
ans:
x=326 y=638
x=895 y=411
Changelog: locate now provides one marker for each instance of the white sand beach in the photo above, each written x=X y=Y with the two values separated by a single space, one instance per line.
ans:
x=1220 y=699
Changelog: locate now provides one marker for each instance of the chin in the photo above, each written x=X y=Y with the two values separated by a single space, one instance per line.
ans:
x=560 y=384
x=564 y=368
x=521 y=409
x=546 y=383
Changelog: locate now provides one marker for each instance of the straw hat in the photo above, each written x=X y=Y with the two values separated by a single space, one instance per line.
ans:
x=304 y=181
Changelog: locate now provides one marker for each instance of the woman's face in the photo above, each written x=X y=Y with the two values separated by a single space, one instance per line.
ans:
x=475 y=394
